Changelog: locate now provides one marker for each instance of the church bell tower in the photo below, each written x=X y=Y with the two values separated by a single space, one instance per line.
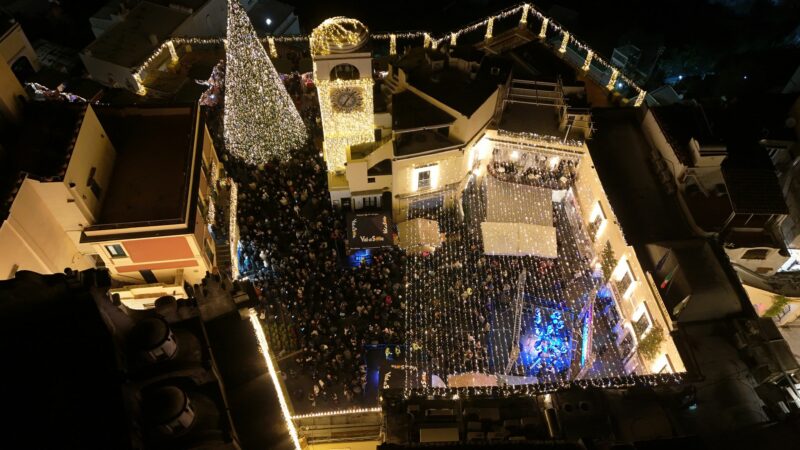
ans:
x=343 y=76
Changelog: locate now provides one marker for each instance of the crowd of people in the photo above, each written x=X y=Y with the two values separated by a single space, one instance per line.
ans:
x=534 y=169
x=333 y=312
x=463 y=302
x=292 y=247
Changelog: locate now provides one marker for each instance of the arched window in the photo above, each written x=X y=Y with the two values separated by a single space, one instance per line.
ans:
x=344 y=72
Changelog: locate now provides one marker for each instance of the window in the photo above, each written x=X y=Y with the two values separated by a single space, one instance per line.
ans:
x=641 y=320
x=371 y=180
x=424 y=179
x=596 y=221
x=663 y=365
x=626 y=345
x=116 y=251
x=148 y=276
x=92 y=184
x=202 y=205
x=756 y=253
x=623 y=276
x=370 y=202
x=624 y=282
x=344 y=72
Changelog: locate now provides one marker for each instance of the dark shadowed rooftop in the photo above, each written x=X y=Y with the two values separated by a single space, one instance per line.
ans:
x=154 y=149
x=410 y=111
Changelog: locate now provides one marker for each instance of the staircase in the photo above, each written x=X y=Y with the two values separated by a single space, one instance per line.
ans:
x=392 y=83
x=223 y=262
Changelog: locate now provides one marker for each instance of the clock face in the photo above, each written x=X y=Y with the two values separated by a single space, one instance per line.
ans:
x=346 y=99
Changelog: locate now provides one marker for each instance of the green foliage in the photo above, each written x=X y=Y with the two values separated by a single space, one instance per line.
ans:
x=778 y=303
x=650 y=344
x=608 y=261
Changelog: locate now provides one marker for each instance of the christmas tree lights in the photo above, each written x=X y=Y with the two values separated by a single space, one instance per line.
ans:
x=261 y=121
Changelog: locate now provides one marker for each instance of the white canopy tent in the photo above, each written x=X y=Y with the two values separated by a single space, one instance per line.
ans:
x=418 y=235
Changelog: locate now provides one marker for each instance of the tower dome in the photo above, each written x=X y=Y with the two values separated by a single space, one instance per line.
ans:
x=169 y=409
x=338 y=35
x=153 y=337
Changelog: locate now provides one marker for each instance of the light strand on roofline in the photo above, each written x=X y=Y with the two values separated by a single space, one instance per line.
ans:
x=264 y=347
x=525 y=10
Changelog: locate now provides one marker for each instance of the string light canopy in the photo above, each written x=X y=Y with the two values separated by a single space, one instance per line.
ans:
x=261 y=121
x=474 y=326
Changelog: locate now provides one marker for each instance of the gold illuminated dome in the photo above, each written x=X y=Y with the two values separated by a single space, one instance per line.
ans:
x=338 y=35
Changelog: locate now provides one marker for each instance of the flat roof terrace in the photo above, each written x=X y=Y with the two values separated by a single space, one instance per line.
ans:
x=154 y=150
x=129 y=42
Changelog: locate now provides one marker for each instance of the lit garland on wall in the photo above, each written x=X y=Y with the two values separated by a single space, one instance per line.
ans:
x=640 y=98
x=427 y=40
x=489 y=28
x=344 y=129
x=173 y=55
x=212 y=210
x=233 y=228
x=261 y=121
x=140 y=89
x=588 y=61
x=543 y=30
x=392 y=44
x=262 y=343
x=612 y=80
x=273 y=52
x=523 y=20
x=564 y=42
x=453 y=39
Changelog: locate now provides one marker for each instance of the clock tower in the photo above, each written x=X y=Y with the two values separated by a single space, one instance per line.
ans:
x=343 y=76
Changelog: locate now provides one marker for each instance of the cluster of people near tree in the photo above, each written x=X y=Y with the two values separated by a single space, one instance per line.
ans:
x=292 y=247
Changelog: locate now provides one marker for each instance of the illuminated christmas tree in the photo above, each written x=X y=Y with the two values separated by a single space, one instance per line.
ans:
x=261 y=121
